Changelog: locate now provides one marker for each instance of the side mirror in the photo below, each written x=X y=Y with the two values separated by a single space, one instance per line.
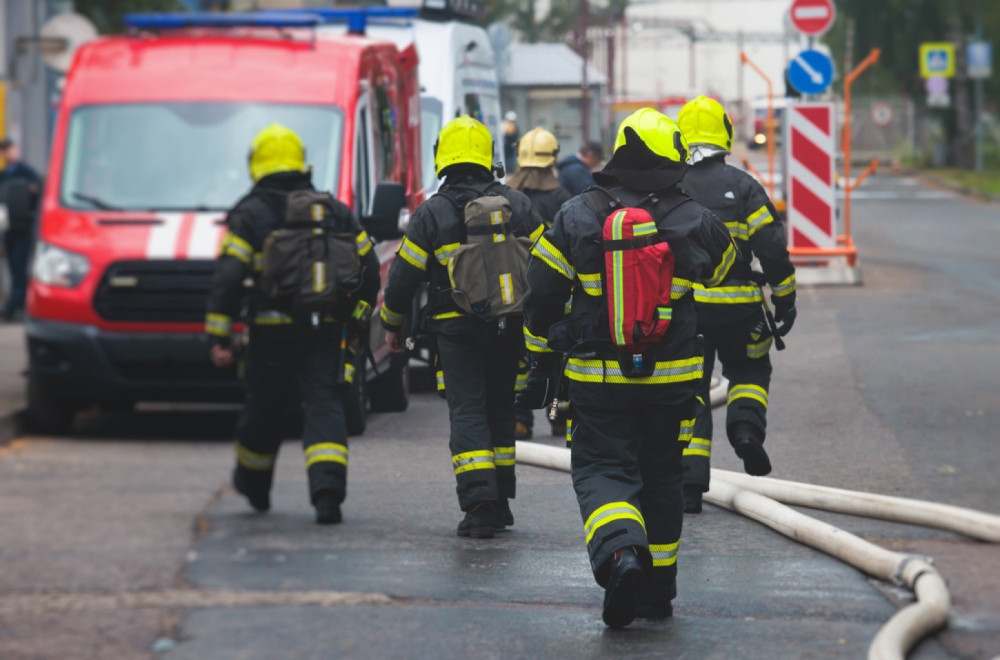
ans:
x=384 y=222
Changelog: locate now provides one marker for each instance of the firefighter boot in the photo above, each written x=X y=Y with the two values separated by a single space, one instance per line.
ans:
x=255 y=487
x=692 y=498
x=653 y=601
x=479 y=521
x=750 y=447
x=327 y=506
x=522 y=431
x=504 y=518
x=623 y=586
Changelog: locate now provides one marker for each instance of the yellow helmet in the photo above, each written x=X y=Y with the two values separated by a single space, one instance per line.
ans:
x=276 y=148
x=537 y=148
x=657 y=131
x=463 y=140
x=704 y=121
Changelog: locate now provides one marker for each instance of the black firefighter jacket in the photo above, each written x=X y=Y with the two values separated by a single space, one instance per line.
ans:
x=567 y=266
x=249 y=222
x=754 y=224
x=436 y=230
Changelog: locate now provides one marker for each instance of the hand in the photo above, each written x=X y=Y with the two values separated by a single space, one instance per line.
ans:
x=394 y=341
x=784 y=315
x=539 y=391
x=222 y=356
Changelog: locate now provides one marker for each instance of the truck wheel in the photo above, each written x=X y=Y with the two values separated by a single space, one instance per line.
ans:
x=356 y=399
x=390 y=392
x=46 y=413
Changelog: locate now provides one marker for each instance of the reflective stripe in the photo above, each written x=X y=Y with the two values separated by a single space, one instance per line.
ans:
x=609 y=371
x=617 y=295
x=447 y=315
x=390 y=317
x=699 y=447
x=521 y=381
x=234 y=246
x=679 y=287
x=219 y=325
x=728 y=259
x=473 y=460
x=738 y=230
x=760 y=349
x=413 y=254
x=258 y=262
x=364 y=243
x=535 y=343
x=504 y=456
x=664 y=313
x=786 y=287
x=686 y=430
x=664 y=554
x=569 y=431
x=591 y=283
x=348 y=372
x=506 y=289
x=440 y=380
x=758 y=219
x=644 y=228
x=747 y=391
x=271 y=317
x=728 y=295
x=496 y=218
x=326 y=452
x=319 y=277
x=610 y=513
x=551 y=255
x=443 y=253
x=251 y=460
x=539 y=230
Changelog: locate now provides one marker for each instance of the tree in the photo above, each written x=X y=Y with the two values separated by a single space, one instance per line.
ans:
x=107 y=14
x=559 y=22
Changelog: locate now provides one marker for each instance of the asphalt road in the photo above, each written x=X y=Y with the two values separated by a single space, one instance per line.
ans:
x=125 y=541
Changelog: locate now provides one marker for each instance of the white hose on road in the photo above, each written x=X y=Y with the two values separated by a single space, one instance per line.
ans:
x=736 y=492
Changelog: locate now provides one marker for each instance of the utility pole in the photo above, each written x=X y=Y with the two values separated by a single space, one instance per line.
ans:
x=584 y=85
x=978 y=90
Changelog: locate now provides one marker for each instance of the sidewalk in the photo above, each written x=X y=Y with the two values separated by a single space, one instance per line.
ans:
x=13 y=361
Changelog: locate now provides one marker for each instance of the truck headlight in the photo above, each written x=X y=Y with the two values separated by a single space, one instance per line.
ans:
x=57 y=267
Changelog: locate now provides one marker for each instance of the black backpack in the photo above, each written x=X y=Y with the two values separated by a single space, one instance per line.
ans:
x=311 y=262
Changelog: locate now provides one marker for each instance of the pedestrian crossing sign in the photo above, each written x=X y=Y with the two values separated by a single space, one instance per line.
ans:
x=937 y=59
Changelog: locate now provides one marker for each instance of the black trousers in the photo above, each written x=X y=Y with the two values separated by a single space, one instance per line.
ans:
x=479 y=362
x=275 y=370
x=626 y=469
x=746 y=363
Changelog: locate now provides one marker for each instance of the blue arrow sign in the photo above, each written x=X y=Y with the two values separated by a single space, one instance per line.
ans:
x=811 y=71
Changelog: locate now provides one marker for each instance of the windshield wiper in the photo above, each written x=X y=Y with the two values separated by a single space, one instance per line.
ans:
x=97 y=202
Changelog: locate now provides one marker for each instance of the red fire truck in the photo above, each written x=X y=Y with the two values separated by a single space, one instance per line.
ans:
x=150 y=149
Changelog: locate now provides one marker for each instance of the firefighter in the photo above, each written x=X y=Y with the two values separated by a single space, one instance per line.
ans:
x=628 y=426
x=283 y=351
x=731 y=317
x=478 y=358
x=536 y=155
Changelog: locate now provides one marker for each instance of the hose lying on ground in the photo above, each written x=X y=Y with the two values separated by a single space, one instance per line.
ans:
x=736 y=492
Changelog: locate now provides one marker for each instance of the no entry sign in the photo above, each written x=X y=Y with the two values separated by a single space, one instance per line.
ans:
x=812 y=17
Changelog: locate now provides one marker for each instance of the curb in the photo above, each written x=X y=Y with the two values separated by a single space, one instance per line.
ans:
x=13 y=424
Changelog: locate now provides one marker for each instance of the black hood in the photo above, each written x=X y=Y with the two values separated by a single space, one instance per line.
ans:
x=634 y=166
x=273 y=189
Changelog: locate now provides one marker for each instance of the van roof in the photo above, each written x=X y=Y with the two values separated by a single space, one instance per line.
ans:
x=214 y=67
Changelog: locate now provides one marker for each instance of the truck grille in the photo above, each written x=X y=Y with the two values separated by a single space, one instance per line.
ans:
x=158 y=291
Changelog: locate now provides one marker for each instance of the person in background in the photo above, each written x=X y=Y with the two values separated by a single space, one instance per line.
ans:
x=576 y=171
x=537 y=151
x=20 y=191
x=510 y=137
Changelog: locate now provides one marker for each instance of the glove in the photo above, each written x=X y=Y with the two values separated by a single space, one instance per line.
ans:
x=784 y=315
x=540 y=389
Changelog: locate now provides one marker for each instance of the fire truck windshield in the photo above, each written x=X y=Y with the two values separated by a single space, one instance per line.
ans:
x=184 y=156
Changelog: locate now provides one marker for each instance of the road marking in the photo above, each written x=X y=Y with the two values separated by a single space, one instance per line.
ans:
x=902 y=195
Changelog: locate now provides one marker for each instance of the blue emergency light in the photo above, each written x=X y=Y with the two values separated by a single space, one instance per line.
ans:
x=356 y=18
x=178 y=21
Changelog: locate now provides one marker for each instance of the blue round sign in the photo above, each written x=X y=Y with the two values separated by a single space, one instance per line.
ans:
x=811 y=71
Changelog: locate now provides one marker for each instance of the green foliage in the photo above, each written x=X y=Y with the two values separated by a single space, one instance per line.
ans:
x=559 y=22
x=107 y=14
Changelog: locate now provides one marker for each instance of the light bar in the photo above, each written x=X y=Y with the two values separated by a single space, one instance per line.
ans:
x=179 y=21
x=357 y=17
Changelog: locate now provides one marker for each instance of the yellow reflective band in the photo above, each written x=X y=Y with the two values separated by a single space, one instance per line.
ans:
x=234 y=246
x=759 y=350
x=535 y=343
x=609 y=371
x=551 y=256
x=738 y=230
x=728 y=295
x=447 y=315
x=390 y=317
x=251 y=460
x=258 y=262
x=758 y=219
x=664 y=554
x=591 y=283
x=521 y=381
x=679 y=287
x=506 y=289
x=699 y=447
x=219 y=325
x=445 y=252
x=644 y=228
x=609 y=513
x=440 y=380
x=271 y=317
x=747 y=391
x=618 y=293
x=539 y=230
x=728 y=259
x=786 y=287
x=569 y=431
x=362 y=311
x=664 y=313
x=328 y=452
x=504 y=456
x=473 y=460
x=348 y=372
x=686 y=430
x=364 y=243
x=319 y=277
x=413 y=254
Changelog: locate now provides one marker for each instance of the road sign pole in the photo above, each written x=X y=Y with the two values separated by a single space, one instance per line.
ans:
x=846 y=140
x=770 y=124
